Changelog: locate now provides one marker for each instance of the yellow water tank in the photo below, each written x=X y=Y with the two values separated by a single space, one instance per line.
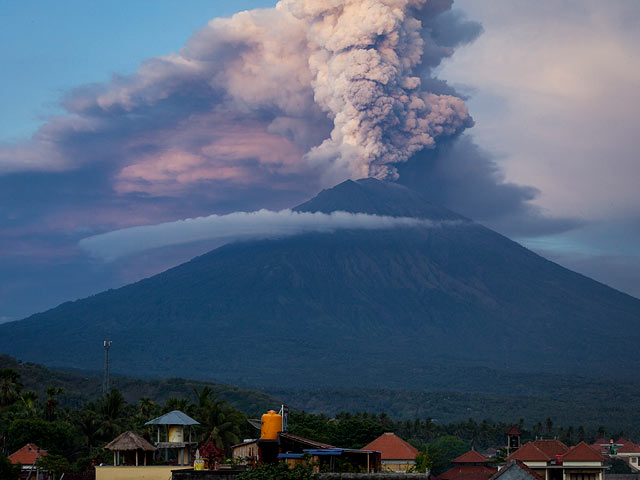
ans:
x=176 y=434
x=271 y=425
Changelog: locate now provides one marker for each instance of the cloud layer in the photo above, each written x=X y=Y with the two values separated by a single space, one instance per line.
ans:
x=239 y=225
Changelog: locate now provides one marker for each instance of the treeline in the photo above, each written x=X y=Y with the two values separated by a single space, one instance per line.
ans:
x=75 y=436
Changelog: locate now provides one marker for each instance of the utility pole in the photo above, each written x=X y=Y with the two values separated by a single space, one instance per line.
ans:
x=106 y=388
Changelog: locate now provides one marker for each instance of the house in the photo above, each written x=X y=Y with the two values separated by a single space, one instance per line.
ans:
x=396 y=454
x=553 y=460
x=275 y=444
x=469 y=466
x=27 y=456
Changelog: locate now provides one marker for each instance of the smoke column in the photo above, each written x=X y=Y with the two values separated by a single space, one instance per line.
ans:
x=363 y=54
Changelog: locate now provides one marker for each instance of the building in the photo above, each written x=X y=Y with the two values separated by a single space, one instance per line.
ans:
x=174 y=435
x=630 y=453
x=278 y=445
x=396 y=454
x=27 y=456
x=513 y=439
x=553 y=460
x=469 y=466
x=129 y=448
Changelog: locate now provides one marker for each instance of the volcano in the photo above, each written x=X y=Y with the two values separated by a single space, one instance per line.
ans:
x=348 y=308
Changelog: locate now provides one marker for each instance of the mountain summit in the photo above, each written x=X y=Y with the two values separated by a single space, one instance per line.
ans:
x=348 y=308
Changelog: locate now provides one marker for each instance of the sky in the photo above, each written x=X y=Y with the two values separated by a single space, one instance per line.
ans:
x=122 y=115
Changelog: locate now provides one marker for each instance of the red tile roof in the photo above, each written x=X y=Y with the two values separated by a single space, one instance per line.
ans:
x=392 y=447
x=582 y=453
x=529 y=452
x=629 y=448
x=27 y=455
x=471 y=457
x=552 y=448
x=468 y=472
x=514 y=431
x=623 y=441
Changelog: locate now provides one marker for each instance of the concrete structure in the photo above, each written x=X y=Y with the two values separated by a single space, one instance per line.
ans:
x=174 y=435
x=396 y=454
x=630 y=453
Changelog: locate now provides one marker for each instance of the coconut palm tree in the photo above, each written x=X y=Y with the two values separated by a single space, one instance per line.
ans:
x=10 y=387
x=52 y=402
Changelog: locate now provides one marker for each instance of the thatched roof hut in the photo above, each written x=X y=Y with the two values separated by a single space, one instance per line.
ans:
x=129 y=442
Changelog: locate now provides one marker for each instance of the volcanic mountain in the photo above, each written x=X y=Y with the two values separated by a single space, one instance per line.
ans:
x=348 y=308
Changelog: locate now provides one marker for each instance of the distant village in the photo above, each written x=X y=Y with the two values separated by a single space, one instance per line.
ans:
x=167 y=448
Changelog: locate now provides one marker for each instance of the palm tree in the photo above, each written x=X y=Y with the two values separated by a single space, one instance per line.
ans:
x=29 y=401
x=111 y=406
x=52 y=402
x=10 y=386
x=221 y=422
x=90 y=425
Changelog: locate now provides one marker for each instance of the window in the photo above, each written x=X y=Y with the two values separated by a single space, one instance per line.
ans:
x=634 y=459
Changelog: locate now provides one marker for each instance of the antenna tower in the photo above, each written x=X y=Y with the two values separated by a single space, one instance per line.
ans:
x=106 y=387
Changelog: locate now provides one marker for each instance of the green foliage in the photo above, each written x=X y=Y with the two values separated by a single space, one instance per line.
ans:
x=425 y=460
x=10 y=386
x=443 y=450
x=55 y=464
x=56 y=437
x=280 y=471
x=8 y=471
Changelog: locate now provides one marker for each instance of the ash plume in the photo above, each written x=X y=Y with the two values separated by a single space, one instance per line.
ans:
x=307 y=91
x=363 y=56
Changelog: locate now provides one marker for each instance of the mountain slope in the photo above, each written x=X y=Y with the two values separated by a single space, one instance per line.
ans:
x=349 y=308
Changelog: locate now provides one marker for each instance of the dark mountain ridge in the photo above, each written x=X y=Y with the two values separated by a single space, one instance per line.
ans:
x=350 y=308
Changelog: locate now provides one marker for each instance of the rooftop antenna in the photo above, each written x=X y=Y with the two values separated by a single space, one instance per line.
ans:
x=106 y=387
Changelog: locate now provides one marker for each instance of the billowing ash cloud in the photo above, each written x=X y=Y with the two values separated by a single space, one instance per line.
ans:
x=240 y=225
x=363 y=56
x=308 y=91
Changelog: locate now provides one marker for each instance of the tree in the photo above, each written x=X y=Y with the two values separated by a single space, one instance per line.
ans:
x=425 y=460
x=445 y=449
x=111 y=406
x=91 y=427
x=54 y=464
x=10 y=386
x=221 y=422
x=29 y=402
x=8 y=471
x=52 y=402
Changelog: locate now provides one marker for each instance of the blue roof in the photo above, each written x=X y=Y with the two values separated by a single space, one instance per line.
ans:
x=173 y=418
x=290 y=455
x=334 y=451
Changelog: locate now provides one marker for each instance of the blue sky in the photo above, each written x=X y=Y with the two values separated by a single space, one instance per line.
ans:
x=47 y=47
x=232 y=121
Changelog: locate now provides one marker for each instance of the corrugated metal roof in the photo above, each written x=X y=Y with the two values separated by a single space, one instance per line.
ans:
x=173 y=418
